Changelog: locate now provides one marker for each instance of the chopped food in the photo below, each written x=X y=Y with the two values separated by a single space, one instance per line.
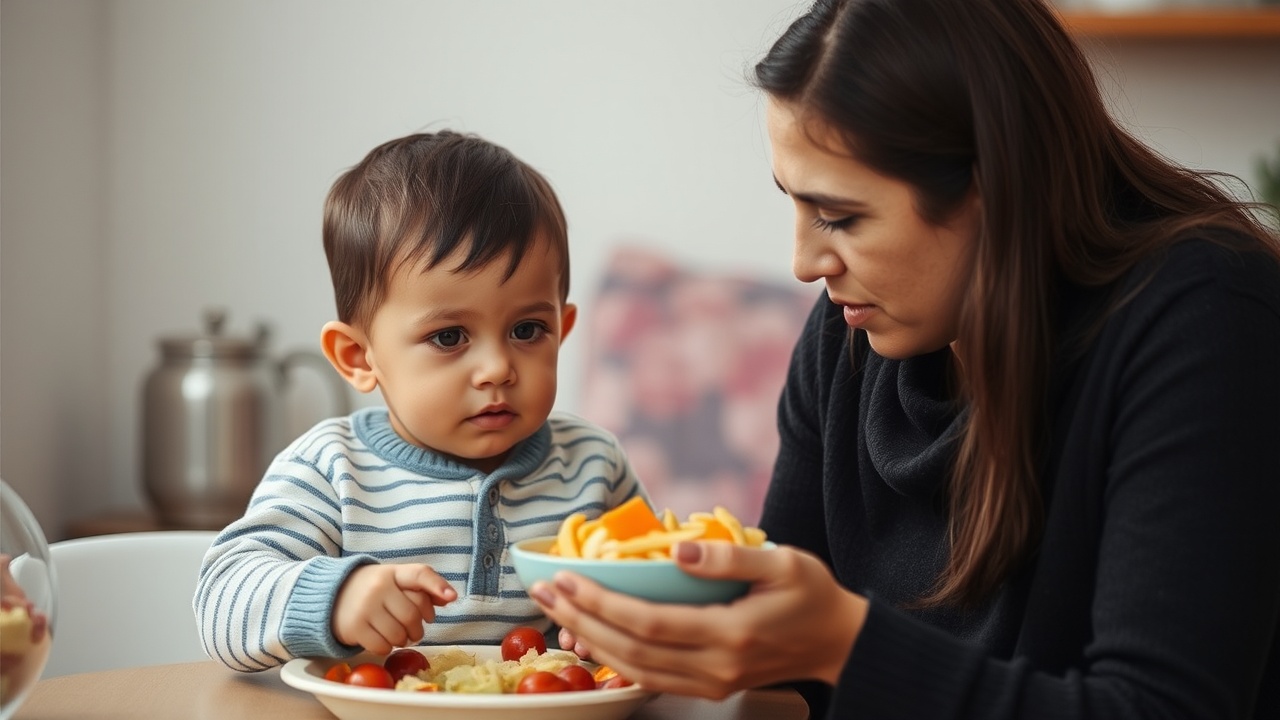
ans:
x=520 y=641
x=633 y=531
x=370 y=675
x=406 y=661
x=578 y=677
x=454 y=670
x=542 y=681
x=24 y=645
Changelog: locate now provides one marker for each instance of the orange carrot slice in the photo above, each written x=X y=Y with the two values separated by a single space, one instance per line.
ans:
x=630 y=519
x=716 y=531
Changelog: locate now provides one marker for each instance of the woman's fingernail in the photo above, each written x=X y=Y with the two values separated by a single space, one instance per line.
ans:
x=687 y=552
x=542 y=594
x=566 y=585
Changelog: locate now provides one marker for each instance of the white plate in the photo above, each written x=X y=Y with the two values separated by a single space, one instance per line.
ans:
x=357 y=703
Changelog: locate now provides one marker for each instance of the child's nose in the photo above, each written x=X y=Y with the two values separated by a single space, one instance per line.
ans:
x=495 y=368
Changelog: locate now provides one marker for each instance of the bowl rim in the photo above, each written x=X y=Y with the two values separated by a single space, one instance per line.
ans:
x=521 y=547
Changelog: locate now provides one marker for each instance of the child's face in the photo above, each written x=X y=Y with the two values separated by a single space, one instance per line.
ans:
x=467 y=362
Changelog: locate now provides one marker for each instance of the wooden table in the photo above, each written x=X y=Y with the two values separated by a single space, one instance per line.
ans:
x=209 y=691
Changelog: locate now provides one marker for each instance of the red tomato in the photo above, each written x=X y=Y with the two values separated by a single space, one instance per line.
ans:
x=578 y=677
x=519 y=641
x=617 y=681
x=338 y=673
x=542 y=682
x=371 y=675
x=405 y=661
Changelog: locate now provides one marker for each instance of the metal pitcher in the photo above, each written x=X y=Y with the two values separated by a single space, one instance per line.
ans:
x=213 y=417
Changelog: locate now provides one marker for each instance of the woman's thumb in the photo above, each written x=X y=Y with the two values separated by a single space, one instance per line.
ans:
x=719 y=559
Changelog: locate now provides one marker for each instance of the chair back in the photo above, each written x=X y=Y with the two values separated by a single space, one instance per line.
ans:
x=125 y=600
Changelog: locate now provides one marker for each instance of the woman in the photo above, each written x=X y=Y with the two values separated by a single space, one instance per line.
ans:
x=1030 y=461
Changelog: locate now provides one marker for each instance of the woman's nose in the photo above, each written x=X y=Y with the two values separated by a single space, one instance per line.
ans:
x=812 y=257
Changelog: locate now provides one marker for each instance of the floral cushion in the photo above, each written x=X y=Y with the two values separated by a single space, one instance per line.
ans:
x=686 y=366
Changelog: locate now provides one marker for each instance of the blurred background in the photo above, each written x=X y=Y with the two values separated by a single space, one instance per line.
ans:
x=162 y=158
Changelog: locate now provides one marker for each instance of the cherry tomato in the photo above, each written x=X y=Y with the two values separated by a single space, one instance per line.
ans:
x=578 y=677
x=617 y=681
x=542 y=682
x=371 y=675
x=405 y=661
x=338 y=673
x=519 y=641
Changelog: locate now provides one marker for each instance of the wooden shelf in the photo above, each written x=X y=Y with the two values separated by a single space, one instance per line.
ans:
x=1255 y=22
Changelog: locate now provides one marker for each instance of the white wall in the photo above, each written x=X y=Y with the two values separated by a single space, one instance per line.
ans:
x=162 y=157
x=54 y=349
x=1210 y=104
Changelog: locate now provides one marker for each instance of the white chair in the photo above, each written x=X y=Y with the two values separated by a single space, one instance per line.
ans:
x=125 y=600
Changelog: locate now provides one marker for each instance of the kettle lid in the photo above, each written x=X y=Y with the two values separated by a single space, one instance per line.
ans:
x=212 y=343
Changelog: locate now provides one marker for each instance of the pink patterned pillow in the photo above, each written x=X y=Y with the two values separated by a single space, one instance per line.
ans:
x=686 y=368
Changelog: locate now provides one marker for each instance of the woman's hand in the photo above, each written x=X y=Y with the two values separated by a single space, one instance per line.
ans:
x=796 y=622
x=568 y=641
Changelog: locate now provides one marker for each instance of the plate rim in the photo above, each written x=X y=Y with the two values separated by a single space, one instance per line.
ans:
x=295 y=674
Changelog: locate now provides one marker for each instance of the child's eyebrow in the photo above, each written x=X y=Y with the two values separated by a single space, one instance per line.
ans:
x=438 y=315
x=538 y=307
x=462 y=316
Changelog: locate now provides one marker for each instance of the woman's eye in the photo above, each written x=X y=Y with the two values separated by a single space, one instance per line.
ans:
x=528 y=331
x=450 y=338
x=826 y=225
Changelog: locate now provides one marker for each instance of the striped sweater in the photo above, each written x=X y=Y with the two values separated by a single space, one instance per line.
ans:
x=351 y=491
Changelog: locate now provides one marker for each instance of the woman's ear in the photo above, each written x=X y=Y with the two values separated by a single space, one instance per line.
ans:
x=568 y=316
x=347 y=350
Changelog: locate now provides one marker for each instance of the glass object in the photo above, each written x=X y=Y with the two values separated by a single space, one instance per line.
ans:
x=27 y=600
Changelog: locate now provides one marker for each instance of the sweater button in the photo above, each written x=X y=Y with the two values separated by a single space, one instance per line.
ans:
x=488 y=561
x=493 y=531
x=493 y=496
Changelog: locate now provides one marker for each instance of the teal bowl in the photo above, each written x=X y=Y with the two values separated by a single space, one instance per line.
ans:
x=656 y=580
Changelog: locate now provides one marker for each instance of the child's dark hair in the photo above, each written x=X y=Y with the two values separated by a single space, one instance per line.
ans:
x=422 y=197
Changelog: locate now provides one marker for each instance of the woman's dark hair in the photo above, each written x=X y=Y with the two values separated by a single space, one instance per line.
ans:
x=951 y=96
x=422 y=197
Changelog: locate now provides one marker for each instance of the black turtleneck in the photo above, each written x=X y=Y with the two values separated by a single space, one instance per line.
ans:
x=1155 y=590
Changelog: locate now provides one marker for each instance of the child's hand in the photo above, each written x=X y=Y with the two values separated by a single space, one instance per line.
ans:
x=381 y=607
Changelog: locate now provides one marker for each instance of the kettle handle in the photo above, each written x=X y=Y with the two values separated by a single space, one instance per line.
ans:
x=341 y=401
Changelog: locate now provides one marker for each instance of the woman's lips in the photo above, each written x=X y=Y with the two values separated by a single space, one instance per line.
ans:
x=857 y=315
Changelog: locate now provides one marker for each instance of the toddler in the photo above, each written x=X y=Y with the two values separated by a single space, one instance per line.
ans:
x=390 y=527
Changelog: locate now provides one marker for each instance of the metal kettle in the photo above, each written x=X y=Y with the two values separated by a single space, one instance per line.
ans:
x=213 y=417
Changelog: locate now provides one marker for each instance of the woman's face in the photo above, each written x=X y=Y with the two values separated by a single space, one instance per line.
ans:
x=897 y=276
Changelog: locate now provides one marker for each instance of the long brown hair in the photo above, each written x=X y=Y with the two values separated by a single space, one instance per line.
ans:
x=949 y=95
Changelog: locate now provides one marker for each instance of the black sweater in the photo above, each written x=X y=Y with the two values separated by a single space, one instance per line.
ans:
x=1155 y=590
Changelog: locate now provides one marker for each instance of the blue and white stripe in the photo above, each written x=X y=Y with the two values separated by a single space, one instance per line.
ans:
x=351 y=491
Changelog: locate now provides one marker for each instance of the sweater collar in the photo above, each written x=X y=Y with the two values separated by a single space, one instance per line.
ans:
x=912 y=421
x=373 y=427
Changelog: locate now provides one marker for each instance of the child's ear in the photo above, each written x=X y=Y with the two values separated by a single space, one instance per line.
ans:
x=347 y=350
x=568 y=316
